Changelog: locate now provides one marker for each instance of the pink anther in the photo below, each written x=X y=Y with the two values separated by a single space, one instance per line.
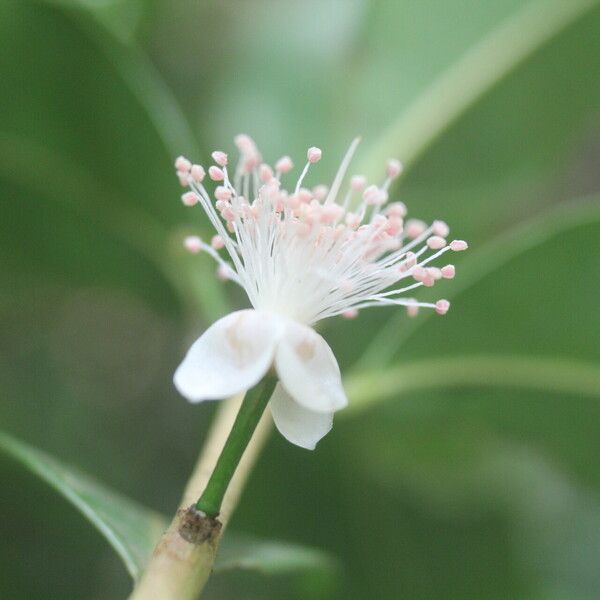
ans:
x=284 y=164
x=394 y=168
x=448 y=272
x=217 y=242
x=314 y=154
x=458 y=245
x=198 y=173
x=193 y=244
x=220 y=158
x=189 y=198
x=215 y=173
x=183 y=164
x=442 y=306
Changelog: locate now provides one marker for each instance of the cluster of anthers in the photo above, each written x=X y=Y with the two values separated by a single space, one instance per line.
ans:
x=309 y=254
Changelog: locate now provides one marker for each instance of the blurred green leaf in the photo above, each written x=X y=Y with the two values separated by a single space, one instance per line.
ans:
x=499 y=254
x=130 y=528
x=527 y=372
x=270 y=557
x=500 y=111
x=121 y=17
x=110 y=25
x=109 y=163
x=133 y=530
x=474 y=73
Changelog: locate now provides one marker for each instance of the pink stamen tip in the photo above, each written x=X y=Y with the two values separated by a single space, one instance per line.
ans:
x=189 y=198
x=183 y=164
x=458 y=245
x=435 y=273
x=419 y=274
x=284 y=164
x=217 y=242
x=374 y=195
x=414 y=228
x=394 y=168
x=435 y=242
x=448 y=272
x=220 y=158
x=244 y=142
x=314 y=154
x=396 y=209
x=216 y=174
x=442 y=306
x=198 y=173
x=440 y=228
x=193 y=244
x=265 y=173
x=394 y=226
x=351 y=313
x=222 y=193
x=228 y=213
x=358 y=183
x=184 y=178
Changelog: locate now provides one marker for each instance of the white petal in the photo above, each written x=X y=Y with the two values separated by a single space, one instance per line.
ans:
x=231 y=356
x=308 y=370
x=297 y=424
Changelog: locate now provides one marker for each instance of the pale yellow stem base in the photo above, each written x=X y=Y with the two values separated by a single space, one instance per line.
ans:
x=179 y=570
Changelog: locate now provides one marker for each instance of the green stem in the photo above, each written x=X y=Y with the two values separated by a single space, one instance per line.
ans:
x=245 y=423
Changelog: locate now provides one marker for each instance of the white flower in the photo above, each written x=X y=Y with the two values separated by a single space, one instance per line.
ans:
x=301 y=257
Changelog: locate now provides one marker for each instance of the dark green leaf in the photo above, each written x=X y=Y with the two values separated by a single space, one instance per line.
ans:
x=133 y=530
x=130 y=528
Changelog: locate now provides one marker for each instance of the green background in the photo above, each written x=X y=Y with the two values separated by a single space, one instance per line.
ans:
x=467 y=465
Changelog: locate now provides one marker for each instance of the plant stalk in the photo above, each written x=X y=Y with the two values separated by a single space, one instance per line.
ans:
x=241 y=433
x=178 y=568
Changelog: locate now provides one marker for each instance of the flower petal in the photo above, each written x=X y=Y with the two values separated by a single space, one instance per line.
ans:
x=308 y=370
x=229 y=357
x=297 y=424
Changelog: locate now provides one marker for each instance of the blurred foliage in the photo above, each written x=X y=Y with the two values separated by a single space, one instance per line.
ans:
x=478 y=481
x=133 y=530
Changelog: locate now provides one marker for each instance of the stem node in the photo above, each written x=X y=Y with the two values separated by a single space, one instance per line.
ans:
x=197 y=528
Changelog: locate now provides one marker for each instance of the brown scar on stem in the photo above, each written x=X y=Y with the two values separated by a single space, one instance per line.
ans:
x=197 y=528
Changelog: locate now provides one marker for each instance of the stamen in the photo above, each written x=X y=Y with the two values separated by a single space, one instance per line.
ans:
x=305 y=254
x=314 y=154
x=458 y=245
x=217 y=242
x=284 y=165
x=193 y=244
x=198 y=173
x=190 y=198
x=394 y=168
x=220 y=158
x=337 y=182
x=215 y=173
x=182 y=164
x=442 y=306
